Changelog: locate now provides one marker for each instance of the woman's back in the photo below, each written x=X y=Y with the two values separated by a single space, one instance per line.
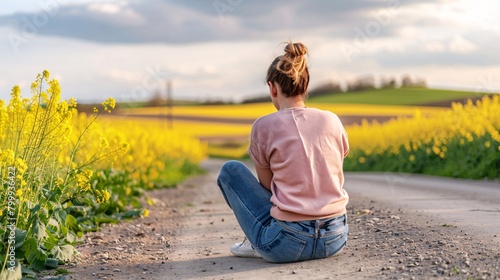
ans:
x=304 y=148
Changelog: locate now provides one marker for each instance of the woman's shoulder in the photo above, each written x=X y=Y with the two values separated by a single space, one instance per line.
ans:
x=327 y=117
x=324 y=113
x=266 y=119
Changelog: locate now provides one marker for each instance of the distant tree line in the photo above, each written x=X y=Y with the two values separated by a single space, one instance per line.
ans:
x=361 y=83
x=368 y=83
x=258 y=99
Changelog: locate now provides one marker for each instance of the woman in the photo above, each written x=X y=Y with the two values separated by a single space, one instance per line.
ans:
x=296 y=209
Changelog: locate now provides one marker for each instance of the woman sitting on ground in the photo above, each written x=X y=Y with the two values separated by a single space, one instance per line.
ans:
x=296 y=209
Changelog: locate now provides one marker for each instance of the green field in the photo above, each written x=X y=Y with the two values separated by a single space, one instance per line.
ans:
x=401 y=96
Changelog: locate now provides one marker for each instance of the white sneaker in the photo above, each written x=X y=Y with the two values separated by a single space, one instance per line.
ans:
x=244 y=249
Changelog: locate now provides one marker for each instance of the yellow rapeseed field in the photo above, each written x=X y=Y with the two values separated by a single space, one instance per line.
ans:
x=463 y=141
x=253 y=111
x=151 y=146
x=199 y=129
x=467 y=121
x=63 y=173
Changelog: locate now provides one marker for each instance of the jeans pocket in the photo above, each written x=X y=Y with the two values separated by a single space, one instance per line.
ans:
x=336 y=242
x=285 y=247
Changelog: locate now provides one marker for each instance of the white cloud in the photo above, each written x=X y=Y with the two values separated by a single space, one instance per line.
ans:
x=118 y=12
x=461 y=45
x=123 y=76
x=105 y=8
x=472 y=14
x=472 y=78
x=435 y=47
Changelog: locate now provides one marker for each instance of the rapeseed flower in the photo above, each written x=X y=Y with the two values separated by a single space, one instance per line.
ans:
x=109 y=104
x=82 y=182
x=72 y=103
x=102 y=196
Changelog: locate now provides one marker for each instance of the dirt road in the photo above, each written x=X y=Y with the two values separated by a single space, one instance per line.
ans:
x=401 y=227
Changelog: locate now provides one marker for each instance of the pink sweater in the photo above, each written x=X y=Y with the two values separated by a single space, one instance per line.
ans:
x=305 y=150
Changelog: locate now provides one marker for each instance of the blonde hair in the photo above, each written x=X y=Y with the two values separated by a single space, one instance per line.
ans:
x=290 y=70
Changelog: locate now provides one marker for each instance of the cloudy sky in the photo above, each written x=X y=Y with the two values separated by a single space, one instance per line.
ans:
x=220 y=49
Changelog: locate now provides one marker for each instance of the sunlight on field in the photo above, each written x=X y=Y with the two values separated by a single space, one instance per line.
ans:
x=192 y=128
x=215 y=135
x=220 y=111
x=203 y=129
x=375 y=110
x=253 y=111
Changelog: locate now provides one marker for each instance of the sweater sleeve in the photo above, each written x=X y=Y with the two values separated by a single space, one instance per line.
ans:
x=257 y=148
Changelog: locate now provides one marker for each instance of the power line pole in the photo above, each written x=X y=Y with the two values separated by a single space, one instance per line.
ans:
x=170 y=105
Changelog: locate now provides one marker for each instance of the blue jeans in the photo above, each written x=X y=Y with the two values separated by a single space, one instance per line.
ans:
x=275 y=240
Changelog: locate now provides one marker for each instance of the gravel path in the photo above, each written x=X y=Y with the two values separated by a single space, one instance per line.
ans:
x=190 y=230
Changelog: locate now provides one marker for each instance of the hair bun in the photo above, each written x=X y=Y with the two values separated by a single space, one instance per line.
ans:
x=290 y=70
x=293 y=63
x=296 y=49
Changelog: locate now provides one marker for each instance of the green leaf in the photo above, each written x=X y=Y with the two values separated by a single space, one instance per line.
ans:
x=53 y=222
x=105 y=220
x=34 y=255
x=131 y=214
x=135 y=203
x=90 y=228
x=52 y=194
x=77 y=210
x=20 y=236
x=49 y=245
x=64 y=252
x=63 y=230
x=51 y=263
x=52 y=239
x=71 y=237
x=35 y=208
x=71 y=223
x=38 y=228
x=61 y=215
x=103 y=207
x=28 y=272
x=61 y=271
